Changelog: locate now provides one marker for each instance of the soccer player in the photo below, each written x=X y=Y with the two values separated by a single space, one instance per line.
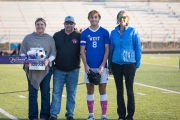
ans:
x=94 y=52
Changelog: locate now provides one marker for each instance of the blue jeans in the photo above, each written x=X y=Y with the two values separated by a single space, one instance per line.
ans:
x=45 y=98
x=59 y=79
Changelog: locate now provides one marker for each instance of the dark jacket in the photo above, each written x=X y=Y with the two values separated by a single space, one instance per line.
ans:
x=68 y=50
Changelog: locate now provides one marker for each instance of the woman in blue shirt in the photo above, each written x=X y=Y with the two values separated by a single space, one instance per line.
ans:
x=125 y=56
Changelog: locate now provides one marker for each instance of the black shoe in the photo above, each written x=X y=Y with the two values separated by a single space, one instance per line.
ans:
x=121 y=118
x=53 y=118
x=128 y=119
x=70 y=118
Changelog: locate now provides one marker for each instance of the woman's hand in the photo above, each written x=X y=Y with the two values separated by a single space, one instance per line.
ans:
x=46 y=62
x=110 y=71
x=28 y=64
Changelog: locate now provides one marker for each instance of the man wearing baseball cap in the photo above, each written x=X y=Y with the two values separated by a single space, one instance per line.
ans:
x=66 y=68
x=69 y=18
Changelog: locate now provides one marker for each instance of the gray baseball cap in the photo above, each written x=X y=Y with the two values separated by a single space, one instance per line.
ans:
x=69 y=18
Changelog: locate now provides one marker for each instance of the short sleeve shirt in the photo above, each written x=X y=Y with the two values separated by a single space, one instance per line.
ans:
x=95 y=45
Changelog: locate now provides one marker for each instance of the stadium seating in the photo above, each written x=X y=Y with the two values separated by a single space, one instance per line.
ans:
x=157 y=22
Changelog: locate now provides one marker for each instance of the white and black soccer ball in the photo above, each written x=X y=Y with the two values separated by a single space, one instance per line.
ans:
x=40 y=54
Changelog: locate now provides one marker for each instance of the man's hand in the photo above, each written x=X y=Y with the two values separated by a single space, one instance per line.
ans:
x=87 y=69
x=101 y=69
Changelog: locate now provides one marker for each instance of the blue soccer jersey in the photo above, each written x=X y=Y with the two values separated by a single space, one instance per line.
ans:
x=95 y=45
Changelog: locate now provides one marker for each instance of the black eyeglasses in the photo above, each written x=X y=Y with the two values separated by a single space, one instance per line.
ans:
x=122 y=17
x=69 y=22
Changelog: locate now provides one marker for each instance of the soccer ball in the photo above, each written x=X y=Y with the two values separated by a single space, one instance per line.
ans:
x=40 y=54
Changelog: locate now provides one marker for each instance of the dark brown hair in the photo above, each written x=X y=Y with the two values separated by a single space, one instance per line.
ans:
x=40 y=19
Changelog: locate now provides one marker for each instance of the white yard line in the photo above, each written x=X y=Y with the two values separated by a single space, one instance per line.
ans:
x=7 y=114
x=22 y=96
x=141 y=94
x=158 y=88
x=171 y=91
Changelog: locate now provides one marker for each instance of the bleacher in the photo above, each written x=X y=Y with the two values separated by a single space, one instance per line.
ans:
x=157 y=22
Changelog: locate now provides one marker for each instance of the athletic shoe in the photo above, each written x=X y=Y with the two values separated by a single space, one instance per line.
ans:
x=91 y=117
x=104 y=118
x=70 y=118
x=53 y=118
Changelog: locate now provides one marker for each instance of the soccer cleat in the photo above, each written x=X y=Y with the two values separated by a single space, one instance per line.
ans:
x=91 y=117
x=104 y=118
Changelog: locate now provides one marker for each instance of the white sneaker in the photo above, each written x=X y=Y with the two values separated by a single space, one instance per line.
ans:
x=91 y=117
x=104 y=118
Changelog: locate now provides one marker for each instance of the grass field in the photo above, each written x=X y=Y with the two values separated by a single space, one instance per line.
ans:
x=157 y=92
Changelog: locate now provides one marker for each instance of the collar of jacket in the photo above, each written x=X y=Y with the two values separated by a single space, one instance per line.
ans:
x=118 y=27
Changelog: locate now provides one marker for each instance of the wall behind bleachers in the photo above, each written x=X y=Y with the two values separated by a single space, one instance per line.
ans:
x=157 y=22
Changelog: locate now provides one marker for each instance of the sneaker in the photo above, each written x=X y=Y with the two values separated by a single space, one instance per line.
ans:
x=53 y=118
x=104 y=118
x=90 y=118
x=70 y=118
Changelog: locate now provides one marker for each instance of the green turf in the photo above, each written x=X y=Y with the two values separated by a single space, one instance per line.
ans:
x=159 y=70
